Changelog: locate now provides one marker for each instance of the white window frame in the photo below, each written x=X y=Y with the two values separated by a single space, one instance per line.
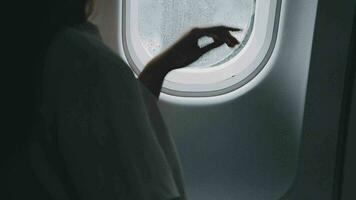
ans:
x=213 y=81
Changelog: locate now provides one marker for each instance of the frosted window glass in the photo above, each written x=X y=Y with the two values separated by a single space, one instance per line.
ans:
x=162 y=22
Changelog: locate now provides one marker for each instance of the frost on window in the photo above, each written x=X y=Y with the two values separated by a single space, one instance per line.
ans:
x=162 y=22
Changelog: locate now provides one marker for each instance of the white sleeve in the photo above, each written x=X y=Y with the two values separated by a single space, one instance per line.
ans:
x=104 y=133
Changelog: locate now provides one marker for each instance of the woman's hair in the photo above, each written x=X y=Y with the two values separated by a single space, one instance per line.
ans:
x=31 y=33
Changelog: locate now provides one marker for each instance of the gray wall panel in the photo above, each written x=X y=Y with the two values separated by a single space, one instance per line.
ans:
x=247 y=148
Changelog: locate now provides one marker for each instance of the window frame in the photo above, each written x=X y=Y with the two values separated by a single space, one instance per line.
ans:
x=214 y=81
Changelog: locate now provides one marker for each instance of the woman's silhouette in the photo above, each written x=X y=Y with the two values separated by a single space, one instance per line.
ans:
x=99 y=134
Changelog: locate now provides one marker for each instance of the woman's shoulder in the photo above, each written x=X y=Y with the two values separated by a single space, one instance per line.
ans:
x=72 y=45
x=73 y=40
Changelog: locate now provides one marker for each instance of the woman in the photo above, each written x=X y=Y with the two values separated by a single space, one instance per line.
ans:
x=100 y=133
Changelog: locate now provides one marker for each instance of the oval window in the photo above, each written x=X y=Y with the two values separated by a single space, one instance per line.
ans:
x=151 y=26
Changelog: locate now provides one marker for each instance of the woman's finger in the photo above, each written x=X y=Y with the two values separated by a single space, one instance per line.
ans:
x=220 y=34
x=225 y=37
x=232 y=39
x=232 y=28
x=220 y=28
x=211 y=46
x=215 y=36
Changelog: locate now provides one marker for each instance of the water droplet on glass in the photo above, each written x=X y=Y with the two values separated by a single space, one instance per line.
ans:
x=162 y=22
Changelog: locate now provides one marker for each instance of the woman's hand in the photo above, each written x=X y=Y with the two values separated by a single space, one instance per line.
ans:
x=184 y=52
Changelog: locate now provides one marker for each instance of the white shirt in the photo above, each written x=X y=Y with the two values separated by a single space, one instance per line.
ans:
x=103 y=135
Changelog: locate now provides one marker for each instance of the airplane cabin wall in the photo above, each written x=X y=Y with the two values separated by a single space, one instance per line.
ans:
x=248 y=148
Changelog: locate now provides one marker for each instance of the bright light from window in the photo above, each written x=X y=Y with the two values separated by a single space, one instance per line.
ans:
x=162 y=22
x=150 y=26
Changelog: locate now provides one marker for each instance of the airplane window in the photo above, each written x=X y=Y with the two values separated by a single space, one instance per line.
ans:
x=150 y=26
x=162 y=22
